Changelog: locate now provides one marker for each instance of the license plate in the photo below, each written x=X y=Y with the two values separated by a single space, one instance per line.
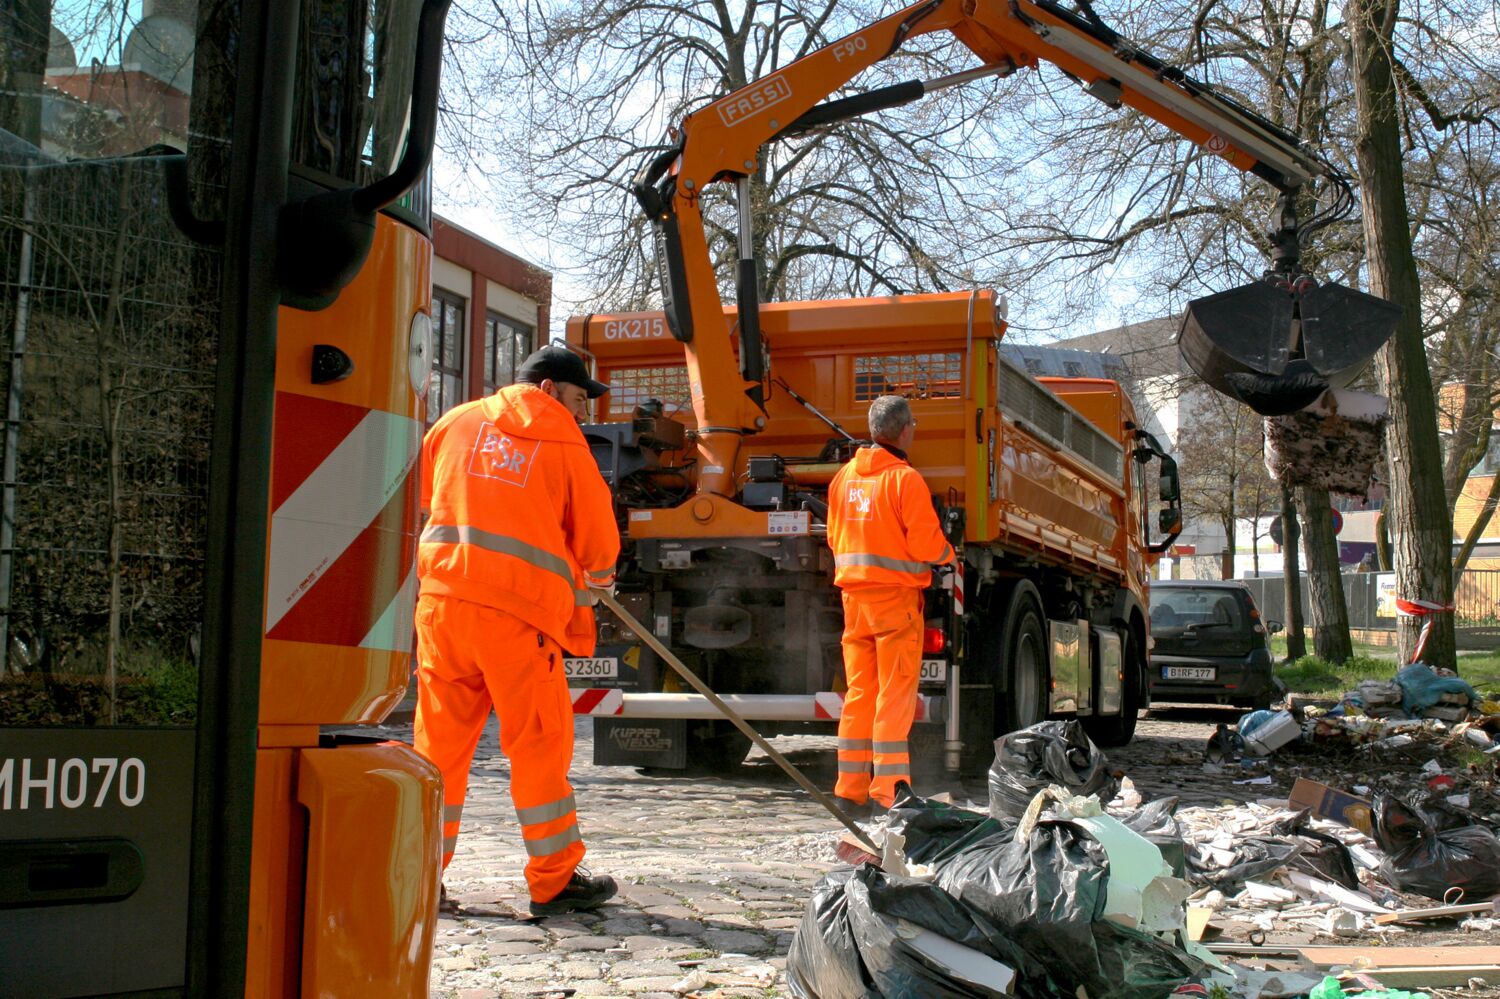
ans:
x=934 y=671
x=1188 y=672
x=595 y=666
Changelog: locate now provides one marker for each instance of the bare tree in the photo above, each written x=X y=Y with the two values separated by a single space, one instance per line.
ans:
x=1389 y=53
x=1220 y=449
x=1330 y=612
x=579 y=94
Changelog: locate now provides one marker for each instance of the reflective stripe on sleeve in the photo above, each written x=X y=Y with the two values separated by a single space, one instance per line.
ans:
x=537 y=814
x=878 y=562
x=548 y=845
x=603 y=577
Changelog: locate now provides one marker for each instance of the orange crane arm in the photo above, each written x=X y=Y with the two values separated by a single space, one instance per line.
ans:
x=722 y=141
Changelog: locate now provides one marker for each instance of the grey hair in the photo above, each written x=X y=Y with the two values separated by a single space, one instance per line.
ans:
x=889 y=415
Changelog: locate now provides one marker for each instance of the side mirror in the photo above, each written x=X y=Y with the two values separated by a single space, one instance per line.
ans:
x=1168 y=487
x=1273 y=626
x=1169 y=520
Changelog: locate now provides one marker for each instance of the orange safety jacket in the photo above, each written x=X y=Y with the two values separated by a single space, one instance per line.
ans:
x=521 y=520
x=881 y=524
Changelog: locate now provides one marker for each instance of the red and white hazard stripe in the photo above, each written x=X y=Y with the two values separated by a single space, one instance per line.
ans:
x=957 y=583
x=597 y=700
x=344 y=497
x=1421 y=608
x=830 y=705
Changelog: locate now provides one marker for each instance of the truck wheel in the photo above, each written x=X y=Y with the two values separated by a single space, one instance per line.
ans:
x=1117 y=730
x=1024 y=662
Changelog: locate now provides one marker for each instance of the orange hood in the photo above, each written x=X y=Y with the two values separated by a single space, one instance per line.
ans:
x=870 y=460
x=527 y=411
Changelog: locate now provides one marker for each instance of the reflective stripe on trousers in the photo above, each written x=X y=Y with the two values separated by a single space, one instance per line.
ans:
x=882 y=663
x=472 y=658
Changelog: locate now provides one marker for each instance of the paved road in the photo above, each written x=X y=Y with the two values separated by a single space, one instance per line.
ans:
x=714 y=872
x=714 y=875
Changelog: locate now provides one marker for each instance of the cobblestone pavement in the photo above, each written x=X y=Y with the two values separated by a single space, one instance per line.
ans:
x=714 y=872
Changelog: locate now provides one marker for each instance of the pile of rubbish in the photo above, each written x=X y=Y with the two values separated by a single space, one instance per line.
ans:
x=1070 y=884
x=1422 y=705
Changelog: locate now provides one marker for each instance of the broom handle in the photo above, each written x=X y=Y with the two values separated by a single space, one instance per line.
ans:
x=608 y=599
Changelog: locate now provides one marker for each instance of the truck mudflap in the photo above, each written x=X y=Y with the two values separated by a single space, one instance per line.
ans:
x=825 y=705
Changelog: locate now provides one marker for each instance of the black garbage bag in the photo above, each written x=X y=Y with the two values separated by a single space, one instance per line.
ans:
x=1322 y=855
x=1047 y=894
x=1254 y=857
x=934 y=828
x=854 y=942
x=1157 y=821
x=1428 y=854
x=1051 y=752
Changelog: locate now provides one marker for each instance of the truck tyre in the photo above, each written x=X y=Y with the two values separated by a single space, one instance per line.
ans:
x=1023 y=662
x=1117 y=730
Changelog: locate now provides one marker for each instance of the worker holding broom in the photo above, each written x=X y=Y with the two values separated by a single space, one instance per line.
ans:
x=885 y=538
x=521 y=527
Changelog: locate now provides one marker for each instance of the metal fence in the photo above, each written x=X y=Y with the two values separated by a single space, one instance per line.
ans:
x=1371 y=599
x=107 y=322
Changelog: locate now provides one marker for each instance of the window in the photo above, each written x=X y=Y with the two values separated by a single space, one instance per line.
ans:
x=445 y=386
x=915 y=376
x=506 y=344
x=1073 y=369
x=1034 y=366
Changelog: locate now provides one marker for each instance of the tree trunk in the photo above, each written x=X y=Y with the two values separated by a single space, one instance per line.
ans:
x=1382 y=542
x=1330 y=614
x=1420 y=523
x=1291 y=539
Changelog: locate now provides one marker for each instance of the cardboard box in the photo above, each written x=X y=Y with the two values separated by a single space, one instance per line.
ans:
x=1330 y=803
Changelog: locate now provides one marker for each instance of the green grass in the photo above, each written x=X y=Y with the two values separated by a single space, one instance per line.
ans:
x=1311 y=675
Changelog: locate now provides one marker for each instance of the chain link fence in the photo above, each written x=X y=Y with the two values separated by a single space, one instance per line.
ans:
x=1371 y=597
x=107 y=372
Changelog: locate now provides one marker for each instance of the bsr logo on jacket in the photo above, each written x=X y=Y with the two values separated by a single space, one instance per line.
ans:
x=497 y=455
x=860 y=498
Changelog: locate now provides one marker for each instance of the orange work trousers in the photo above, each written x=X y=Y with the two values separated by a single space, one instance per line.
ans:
x=471 y=658
x=882 y=663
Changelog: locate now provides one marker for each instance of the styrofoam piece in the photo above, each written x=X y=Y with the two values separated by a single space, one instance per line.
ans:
x=1271 y=735
x=966 y=964
x=1141 y=892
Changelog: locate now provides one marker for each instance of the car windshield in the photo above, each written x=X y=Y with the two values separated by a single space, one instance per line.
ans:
x=1200 y=608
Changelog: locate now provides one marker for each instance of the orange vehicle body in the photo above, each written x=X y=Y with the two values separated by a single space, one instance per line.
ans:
x=1020 y=492
x=347 y=837
x=1041 y=485
x=1035 y=482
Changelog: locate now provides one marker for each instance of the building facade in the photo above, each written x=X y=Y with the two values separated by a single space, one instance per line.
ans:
x=490 y=309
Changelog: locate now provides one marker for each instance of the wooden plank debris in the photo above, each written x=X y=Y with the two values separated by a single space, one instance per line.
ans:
x=1435 y=912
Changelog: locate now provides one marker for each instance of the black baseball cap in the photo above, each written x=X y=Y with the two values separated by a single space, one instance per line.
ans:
x=561 y=365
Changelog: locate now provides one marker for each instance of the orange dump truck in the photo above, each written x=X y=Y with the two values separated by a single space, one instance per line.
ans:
x=1040 y=484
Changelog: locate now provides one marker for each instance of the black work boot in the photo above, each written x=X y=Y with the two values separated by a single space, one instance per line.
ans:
x=583 y=891
x=856 y=810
